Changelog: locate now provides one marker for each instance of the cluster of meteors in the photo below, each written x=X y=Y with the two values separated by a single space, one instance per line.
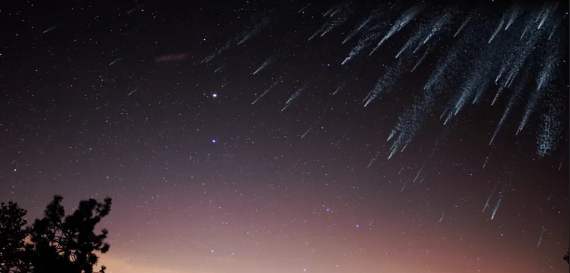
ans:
x=504 y=53
x=516 y=57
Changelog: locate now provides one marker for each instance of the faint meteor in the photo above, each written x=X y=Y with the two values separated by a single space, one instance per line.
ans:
x=133 y=91
x=49 y=29
x=543 y=229
x=171 y=58
x=115 y=61
x=304 y=8
x=135 y=9
x=306 y=132
x=267 y=90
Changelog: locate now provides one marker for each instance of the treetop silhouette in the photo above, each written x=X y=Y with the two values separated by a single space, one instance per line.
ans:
x=59 y=243
x=12 y=234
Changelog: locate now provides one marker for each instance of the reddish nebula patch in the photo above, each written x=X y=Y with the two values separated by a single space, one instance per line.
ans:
x=170 y=58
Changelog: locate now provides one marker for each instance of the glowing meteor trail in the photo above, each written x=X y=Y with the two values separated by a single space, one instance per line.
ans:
x=496 y=208
x=542 y=230
x=267 y=91
x=399 y=24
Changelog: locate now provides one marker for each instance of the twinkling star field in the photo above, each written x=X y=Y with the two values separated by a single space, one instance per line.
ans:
x=295 y=136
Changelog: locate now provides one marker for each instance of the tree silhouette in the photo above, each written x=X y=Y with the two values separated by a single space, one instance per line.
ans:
x=59 y=243
x=566 y=258
x=12 y=235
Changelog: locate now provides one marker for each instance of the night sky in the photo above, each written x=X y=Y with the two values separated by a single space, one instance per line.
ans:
x=164 y=109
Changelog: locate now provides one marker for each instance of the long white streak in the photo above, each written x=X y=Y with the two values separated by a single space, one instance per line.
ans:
x=440 y=70
x=115 y=61
x=395 y=146
x=336 y=21
x=329 y=25
x=336 y=144
x=372 y=160
x=405 y=145
x=306 y=132
x=543 y=229
x=264 y=65
x=304 y=8
x=519 y=57
x=496 y=208
x=526 y=28
x=49 y=29
x=503 y=119
x=448 y=118
x=481 y=91
x=437 y=26
x=338 y=9
x=135 y=8
x=293 y=97
x=427 y=50
x=316 y=33
x=392 y=134
x=417 y=175
x=254 y=31
x=342 y=137
x=513 y=14
x=413 y=40
x=512 y=75
x=330 y=10
x=267 y=91
x=370 y=35
x=356 y=30
x=543 y=79
x=555 y=27
x=487 y=161
x=488 y=200
x=476 y=78
x=284 y=107
x=509 y=107
x=386 y=81
x=546 y=14
x=499 y=92
x=539 y=15
x=401 y=169
x=500 y=73
x=218 y=52
x=132 y=92
x=462 y=26
x=443 y=113
x=394 y=5
x=497 y=30
x=399 y=24
x=340 y=87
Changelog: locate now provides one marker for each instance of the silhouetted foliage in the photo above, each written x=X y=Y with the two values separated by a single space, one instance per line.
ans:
x=12 y=235
x=566 y=258
x=59 y=243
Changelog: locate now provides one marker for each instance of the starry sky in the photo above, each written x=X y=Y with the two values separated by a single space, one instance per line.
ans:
x=151 y=105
